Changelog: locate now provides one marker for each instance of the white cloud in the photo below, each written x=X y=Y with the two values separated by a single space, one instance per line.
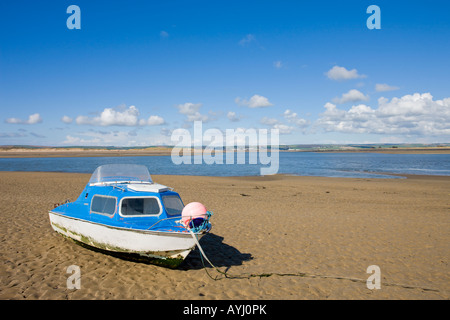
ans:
x=416 y=114
x=277 y=124
x=249 y=38
x=72 y=141
x=351 y=96
x=14 y=121
x=116 y=138
x=152 y=121
x=112 y=117
x=381 y=87
x=164 y=34
x=283 y=128
x=255 y=101
x=197 y=117
x=292 y=117
x=32 y=119
x=189 y=108
x=155 y=121
x=120 y=116
x=67 y=119
x=341 y=73
x=278 y=64
x=269 y=121
x=191 y=111
x=232 y=116
x=84 y=120
x=294 y=121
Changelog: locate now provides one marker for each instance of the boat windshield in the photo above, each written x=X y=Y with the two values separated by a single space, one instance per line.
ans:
x=121 y=173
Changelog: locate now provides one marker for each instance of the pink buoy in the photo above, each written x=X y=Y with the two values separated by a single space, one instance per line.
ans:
x=193 y=211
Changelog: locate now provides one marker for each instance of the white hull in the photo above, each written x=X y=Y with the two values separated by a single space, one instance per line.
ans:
x=152 y=244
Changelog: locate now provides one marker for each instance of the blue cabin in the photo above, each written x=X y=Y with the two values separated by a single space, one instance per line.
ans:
x=125 y=196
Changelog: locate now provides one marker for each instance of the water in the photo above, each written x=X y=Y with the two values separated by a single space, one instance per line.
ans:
x=352 y=165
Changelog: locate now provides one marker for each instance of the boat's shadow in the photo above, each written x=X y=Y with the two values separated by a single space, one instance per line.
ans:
x=218 y=252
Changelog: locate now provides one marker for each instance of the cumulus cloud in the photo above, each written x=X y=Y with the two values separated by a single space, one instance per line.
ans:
x=341 y=73
x=152 y=121
x=292 y=117
x=351 y=96
x=14 y=121
x=416 y=114
x=191 y=111
x=255 y=101
x=112 y=117
x=32 y=119
x=189 y=108
x=269 y=121
x=381 y=87
x=231 y=115
x=119 y=116
x=66 y=119
x=283 y=128
x=277 y=124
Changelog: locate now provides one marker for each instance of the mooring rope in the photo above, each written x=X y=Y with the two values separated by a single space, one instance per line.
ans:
x=225 y=274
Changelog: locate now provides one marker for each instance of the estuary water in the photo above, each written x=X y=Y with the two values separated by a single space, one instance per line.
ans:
x=352 y=165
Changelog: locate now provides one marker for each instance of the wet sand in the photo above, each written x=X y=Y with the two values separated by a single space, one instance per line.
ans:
x=325 y=230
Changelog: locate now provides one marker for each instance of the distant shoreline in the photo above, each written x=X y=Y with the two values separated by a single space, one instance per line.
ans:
x=166 y=151
x=80 y=152
x=390 y=150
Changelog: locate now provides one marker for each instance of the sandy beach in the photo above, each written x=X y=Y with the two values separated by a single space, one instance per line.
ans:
x=329 y=230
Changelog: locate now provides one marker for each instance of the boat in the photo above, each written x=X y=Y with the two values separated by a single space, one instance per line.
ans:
x=122 y=211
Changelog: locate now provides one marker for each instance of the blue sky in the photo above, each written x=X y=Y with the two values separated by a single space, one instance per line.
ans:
x=137 y=70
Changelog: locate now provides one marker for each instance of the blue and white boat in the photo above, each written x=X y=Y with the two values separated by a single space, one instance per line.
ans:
x=122 y=210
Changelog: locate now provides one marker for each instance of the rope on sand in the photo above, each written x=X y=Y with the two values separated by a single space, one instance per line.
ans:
x=299 y=274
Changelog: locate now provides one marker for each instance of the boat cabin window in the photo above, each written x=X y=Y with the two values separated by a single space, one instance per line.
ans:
x=140 y=206
x=173 y=204
x=103 y=205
